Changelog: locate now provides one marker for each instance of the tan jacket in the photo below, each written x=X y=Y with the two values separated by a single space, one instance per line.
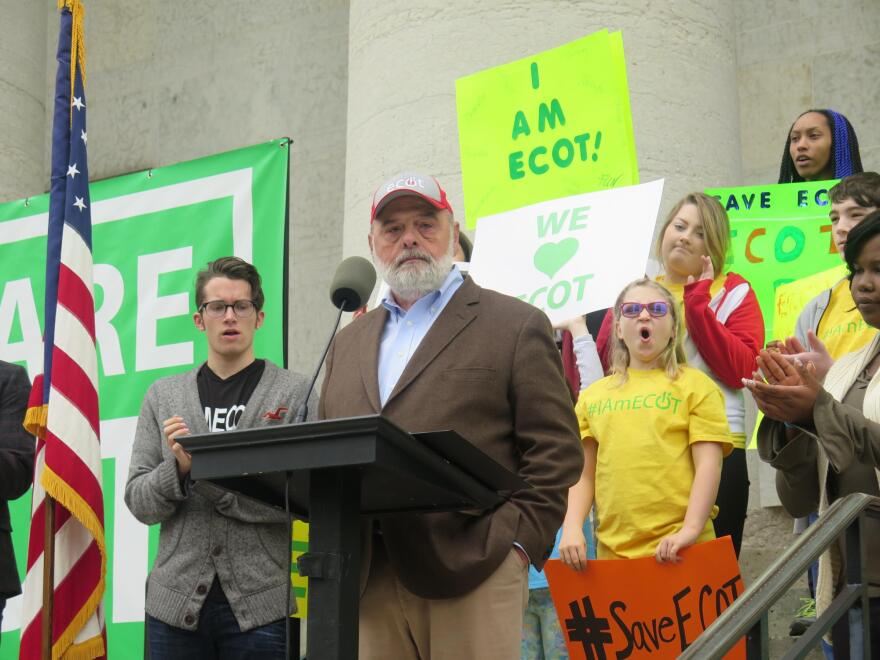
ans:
x=489 y=369
x=843 y=436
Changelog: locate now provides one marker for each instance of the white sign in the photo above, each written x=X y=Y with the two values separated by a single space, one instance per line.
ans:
x=572 y=255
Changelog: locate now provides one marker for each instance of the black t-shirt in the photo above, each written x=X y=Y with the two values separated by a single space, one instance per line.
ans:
x=224 y=401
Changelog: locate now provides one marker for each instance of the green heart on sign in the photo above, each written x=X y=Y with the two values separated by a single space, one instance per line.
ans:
x=551 y=257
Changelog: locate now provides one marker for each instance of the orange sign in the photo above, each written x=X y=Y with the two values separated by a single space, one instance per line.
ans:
x=637 y=608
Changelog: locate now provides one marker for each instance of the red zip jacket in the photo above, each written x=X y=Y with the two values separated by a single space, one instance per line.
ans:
x=727 y=330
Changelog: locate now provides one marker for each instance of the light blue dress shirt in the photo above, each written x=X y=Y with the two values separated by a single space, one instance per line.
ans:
x=405 y=329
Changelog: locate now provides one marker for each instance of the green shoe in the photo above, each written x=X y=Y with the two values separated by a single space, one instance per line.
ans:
x=807 y=609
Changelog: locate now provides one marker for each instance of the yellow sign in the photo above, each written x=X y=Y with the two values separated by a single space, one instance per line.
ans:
x=547 y=126
x=300 y=583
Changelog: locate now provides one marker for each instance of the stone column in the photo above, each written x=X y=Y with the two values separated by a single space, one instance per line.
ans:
x=193 y=79
x=23 y=171
x=808 y=55
x=681 y=66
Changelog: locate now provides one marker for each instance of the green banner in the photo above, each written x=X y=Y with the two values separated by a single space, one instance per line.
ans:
x=551 y=125
x=779 y=234
x=152 y=231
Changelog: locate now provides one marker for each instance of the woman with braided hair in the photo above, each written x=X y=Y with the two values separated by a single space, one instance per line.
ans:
x=821 y=144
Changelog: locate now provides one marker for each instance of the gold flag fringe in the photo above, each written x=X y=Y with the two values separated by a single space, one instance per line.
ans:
x=35 y=420
x=77 y=41
x=73 y=502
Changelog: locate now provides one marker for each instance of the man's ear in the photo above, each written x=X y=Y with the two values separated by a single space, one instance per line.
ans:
x=370 y=241
x=260 y=316
x=199 y=321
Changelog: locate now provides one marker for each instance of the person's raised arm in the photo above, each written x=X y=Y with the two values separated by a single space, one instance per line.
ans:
x=154 y=489
x=790 y=450
x=585 y=351
x=730 y=347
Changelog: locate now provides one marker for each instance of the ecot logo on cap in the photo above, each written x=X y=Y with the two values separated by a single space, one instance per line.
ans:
x=409 y=182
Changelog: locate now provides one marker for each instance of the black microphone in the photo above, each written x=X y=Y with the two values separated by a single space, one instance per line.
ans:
x=350 y=289
x=352 y=284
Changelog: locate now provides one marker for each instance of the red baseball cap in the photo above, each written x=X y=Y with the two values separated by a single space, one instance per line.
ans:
x=409 y=183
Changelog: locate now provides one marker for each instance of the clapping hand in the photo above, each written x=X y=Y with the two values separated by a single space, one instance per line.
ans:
x=790 y=390
x=817 y=354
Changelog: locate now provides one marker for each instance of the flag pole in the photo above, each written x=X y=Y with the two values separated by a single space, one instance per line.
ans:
x=48 y=576
x=68 y=465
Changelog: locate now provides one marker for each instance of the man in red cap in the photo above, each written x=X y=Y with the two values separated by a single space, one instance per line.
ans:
x=440 y=352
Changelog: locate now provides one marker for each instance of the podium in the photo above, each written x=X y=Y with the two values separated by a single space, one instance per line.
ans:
x=333 y=472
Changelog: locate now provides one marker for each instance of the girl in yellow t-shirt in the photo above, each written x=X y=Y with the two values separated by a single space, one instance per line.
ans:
x=654 y=435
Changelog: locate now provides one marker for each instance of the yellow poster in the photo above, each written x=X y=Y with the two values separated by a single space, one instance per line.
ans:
x=550 y=125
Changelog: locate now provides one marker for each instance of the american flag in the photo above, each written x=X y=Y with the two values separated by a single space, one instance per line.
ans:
x=65 y=417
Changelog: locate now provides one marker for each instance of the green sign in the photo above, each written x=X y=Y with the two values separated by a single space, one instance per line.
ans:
x=152 y=231
x=547 y=126
x=780 y=233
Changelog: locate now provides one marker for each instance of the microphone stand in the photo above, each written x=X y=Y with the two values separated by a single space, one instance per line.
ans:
x=303 y=411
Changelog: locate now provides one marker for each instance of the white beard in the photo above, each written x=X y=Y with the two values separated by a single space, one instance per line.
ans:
x=416 y=279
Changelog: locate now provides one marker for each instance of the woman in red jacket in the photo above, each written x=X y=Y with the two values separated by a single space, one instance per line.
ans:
x=724 y=330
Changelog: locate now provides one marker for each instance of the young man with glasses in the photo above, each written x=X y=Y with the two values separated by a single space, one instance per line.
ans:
x=218 y=586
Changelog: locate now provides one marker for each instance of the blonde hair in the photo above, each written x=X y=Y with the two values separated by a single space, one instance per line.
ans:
x=716 y=228
x=672 y=358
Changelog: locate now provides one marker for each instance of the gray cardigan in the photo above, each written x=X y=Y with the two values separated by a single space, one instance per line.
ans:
x=812 y=313
x=204 y=530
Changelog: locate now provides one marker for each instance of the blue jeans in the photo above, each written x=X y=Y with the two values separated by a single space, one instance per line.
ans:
x=813 y=571
x=217 y=637
x=844 y=650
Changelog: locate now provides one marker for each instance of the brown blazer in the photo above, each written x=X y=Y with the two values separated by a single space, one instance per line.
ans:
x=489 y=369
